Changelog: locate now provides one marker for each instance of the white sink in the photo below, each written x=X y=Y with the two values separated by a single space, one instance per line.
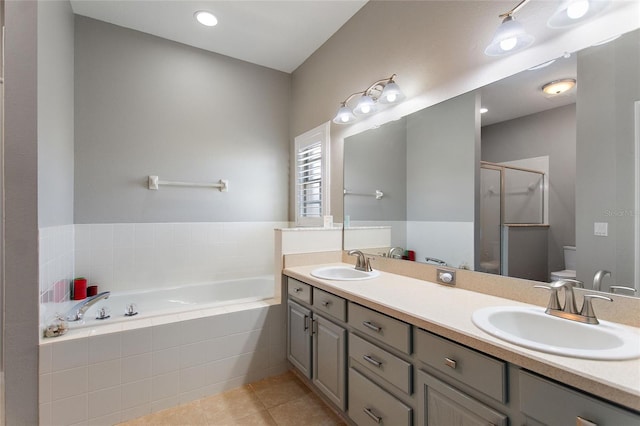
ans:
x=532 y=328
x=343 y=273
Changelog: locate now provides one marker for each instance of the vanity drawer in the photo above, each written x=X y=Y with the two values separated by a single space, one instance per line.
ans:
x=370 y=405
x=388 y=330
x=380 y=362
x=484 y=373
x=299 y=290
x=330 y=304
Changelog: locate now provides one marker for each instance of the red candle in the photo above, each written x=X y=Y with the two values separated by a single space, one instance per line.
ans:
x=79 y=288
x=92 y=290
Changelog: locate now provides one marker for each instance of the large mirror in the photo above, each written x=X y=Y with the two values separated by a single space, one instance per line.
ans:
x=540 y=186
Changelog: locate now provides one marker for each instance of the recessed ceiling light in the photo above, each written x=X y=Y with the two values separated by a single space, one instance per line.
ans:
x=206 y=18
x=483 y=110
x=558 y=86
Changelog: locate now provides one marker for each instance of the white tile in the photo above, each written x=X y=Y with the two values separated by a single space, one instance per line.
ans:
x=44 y=388
x=145 y=234
x=104 y=402
x=108 y=420
x=165 y=361
x=193 y=378
x=192 y=355
x=136 y=368
x=163 y=404
x=102 y=236
x=182 y=234
x=104 y=375
x=104 y=347
x=69 y=354
x=45 y=414
x=69 y=411
x=136 y=393
x=136 y=342
x=194 y=330
x=186 y=397
x=165 y=386
x=230 y=368
x=238 y=322
x=166 y=336
x=83 y=263
x=236 y=344
x=45 y=358
x=123 y=235
x=69 y=383
x=135 y=412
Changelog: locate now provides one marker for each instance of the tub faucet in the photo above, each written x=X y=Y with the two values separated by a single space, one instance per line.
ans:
x=598 y=277
x=77 y=312
x=362 y=263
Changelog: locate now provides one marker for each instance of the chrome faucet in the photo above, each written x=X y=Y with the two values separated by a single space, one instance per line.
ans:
x=569 y=310
x=391 y=252
x=362 y=263
x=598 y=277
x=77 y=312
x=436 y=261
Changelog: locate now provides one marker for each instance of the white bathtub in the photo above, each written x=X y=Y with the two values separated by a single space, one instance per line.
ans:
x=174 y=300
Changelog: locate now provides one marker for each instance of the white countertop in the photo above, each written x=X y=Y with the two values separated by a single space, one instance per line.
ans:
x=447 y=311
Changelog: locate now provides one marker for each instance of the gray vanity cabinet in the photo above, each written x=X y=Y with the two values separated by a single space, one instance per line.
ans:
x=299 y=337
x=329 y=347
x=442 y=404
x=544 y=402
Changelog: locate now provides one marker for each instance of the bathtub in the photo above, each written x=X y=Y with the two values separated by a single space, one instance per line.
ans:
x=172 y=300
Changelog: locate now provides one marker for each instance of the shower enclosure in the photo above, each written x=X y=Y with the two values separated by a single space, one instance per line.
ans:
x=513 y=233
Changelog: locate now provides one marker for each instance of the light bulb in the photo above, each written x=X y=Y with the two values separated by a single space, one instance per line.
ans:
x=508 y=43
x=577 y=9
x=206 y=18
x=483 y=110
x=391 y=97
x=366 y=109
x=344 y=118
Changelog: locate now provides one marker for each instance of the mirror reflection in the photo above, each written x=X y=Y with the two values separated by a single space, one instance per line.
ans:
x=542 y=185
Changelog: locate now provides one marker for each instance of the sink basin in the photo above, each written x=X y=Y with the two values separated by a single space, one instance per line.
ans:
x=343 y=273
x=532 y=328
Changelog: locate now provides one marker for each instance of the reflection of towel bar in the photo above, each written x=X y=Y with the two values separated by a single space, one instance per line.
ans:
x=378 y=194
x=155 y=182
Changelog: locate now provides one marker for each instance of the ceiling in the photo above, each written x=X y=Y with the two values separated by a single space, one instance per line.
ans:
x=275 y=34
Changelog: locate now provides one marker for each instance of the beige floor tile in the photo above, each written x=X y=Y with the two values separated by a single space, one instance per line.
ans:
x=277 y=390
x=233 y=404
x=261 y=418
x=308 y=410
x=184 y=415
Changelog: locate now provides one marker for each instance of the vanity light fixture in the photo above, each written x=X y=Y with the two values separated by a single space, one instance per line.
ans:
x=510 y=36
x=384 y=91
x=571 y=12
x=559 y=86
x=207 y=19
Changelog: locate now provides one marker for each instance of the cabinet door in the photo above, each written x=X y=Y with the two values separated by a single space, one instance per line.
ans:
x=299 y=338
x=443 y=405
x=329 y=352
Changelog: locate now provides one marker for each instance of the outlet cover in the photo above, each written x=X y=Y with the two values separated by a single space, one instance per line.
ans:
x=601 y=229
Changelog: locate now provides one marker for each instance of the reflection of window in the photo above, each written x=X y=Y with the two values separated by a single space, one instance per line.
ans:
x=312 y=176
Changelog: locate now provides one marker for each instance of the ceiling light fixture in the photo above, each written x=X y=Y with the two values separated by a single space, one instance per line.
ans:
x=206 y=18
x=510 y=36
x=559 y=86
x=571 y=12
x=484 y=110
x=384 y=91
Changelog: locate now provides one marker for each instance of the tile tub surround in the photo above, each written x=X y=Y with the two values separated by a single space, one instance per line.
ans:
x=447 y=311
x=118 y=373
x=56 y=261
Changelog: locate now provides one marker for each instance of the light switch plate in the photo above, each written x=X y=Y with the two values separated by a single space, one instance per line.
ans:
x=601 y=229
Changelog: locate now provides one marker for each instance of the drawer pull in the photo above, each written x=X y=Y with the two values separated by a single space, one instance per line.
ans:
x=297 y=289
x=326 y=303
x=372 y=326
x=371 y=360
x=584 y=422
x=450 y=363
x=369 y=413
x=306 y=322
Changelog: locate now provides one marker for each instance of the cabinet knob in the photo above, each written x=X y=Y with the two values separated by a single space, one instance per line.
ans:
x=297 y=289
x=326 y=303
x=370 y=413
x=584 y=422
x=372 y=326
x=451 y=363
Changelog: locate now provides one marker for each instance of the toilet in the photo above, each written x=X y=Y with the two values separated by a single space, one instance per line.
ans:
x=569 y=264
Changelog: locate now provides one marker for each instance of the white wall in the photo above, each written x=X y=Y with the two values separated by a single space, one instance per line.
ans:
x=149 y=106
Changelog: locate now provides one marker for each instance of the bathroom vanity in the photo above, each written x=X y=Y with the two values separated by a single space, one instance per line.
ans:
x=394 y=350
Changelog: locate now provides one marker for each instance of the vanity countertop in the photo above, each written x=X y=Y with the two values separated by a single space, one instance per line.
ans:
x=446 y=311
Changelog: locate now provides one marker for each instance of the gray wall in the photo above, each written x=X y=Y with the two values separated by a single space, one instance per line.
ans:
x=608 y=86
x=377 y=160
x=442 y=166
x=55 y=113
x=148 y=106
x=20 y=157
x=552 y=133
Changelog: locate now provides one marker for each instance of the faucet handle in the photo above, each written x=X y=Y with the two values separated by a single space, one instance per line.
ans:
x=367 y=266
x=614 y=288
x=554 y=302
x=587 y=307
x=568 y=282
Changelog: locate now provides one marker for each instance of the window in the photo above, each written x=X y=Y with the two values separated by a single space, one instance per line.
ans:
x=312 y=176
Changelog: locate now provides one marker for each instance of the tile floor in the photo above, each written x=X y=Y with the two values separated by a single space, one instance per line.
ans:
x=282 y=400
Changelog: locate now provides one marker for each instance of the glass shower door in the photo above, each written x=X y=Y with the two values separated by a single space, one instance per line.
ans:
x=490 y=219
